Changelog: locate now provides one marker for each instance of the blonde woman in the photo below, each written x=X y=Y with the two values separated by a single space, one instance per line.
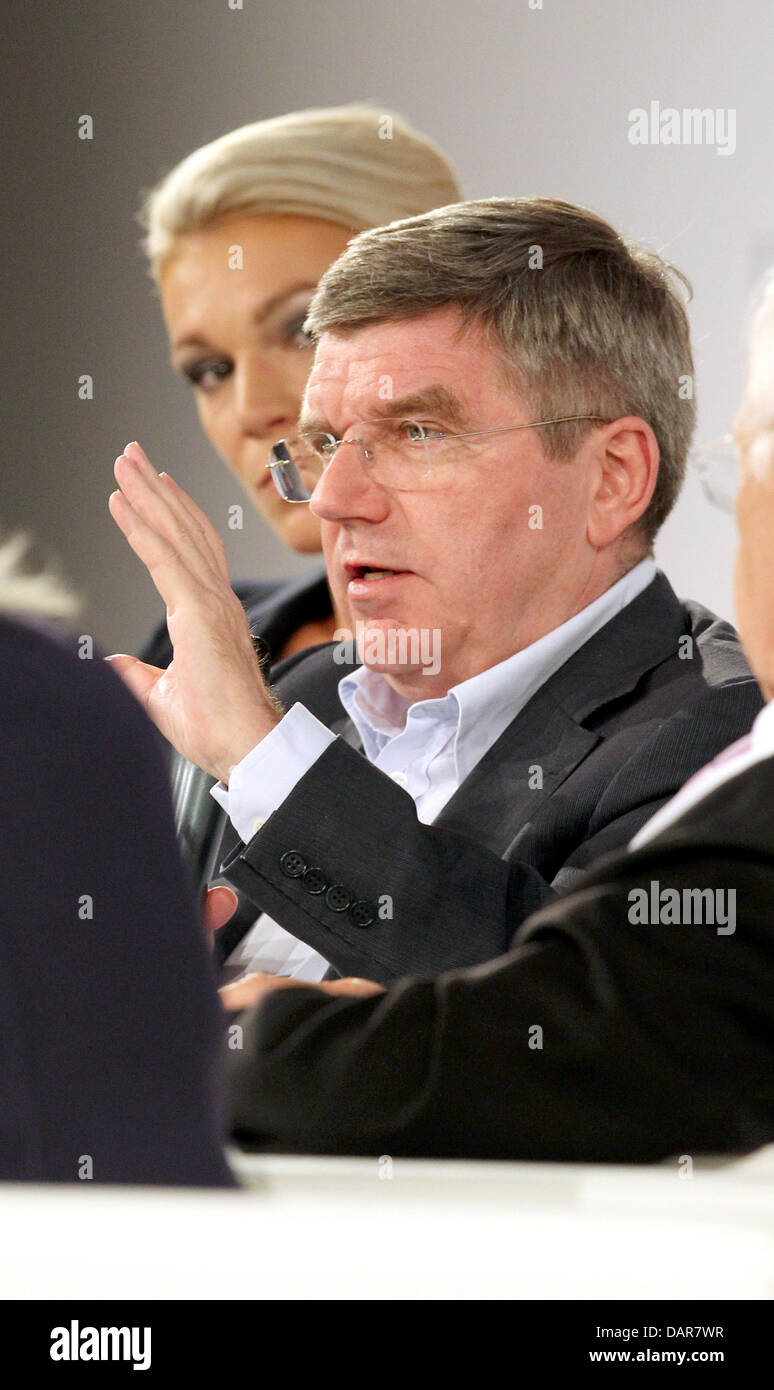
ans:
x=237 y=237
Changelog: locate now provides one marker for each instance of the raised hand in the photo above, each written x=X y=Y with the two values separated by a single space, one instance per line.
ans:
x=211 y=702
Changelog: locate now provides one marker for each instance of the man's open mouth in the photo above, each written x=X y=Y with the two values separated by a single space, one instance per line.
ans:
x=369 y=573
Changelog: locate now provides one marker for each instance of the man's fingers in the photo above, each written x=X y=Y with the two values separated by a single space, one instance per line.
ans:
x=186 y=509
x=220 y=904
x=242 y=993
x=351 y=984
x=138 y=675
x=155 y=505
x=251 y=988
x=167 y=568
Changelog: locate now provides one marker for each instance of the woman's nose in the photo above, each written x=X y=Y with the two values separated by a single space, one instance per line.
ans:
x=267 y=405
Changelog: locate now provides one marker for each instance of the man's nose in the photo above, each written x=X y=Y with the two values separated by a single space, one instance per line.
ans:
x=267 y=406
x=346 y=489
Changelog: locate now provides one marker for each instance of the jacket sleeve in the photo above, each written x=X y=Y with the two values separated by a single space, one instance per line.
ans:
x=593 y=1039
x=345 y=865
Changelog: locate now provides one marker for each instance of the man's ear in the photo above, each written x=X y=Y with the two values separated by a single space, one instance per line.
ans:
x=626 y=457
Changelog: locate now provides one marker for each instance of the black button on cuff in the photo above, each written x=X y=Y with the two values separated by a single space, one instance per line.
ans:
x=362 y=913
x=314 y=881
x=337 y=898
x=292 y=863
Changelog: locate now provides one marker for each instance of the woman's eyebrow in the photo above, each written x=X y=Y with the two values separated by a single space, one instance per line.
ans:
x=260 y=314
x=278 y=300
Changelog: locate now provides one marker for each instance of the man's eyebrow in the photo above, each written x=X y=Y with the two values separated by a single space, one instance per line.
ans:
x=435 y=400
x=431 y=400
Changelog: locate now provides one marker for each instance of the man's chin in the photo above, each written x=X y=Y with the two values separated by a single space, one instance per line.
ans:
x=397 y=649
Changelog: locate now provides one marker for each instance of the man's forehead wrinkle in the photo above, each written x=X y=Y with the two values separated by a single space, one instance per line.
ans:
x=353 y=381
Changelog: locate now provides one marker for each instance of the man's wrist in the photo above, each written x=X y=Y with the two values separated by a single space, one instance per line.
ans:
x=271 y=769
x=248 y=739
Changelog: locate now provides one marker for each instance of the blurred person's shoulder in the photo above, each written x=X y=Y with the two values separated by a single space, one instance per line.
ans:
x=718 y=644
x=50 y=669
x=36 y=641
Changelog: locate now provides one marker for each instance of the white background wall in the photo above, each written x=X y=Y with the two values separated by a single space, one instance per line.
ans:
x=527 y=101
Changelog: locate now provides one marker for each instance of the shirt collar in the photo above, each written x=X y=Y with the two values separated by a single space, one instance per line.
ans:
x=379 y=713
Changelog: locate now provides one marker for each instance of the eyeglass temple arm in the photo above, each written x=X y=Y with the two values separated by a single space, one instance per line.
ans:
x=467 y=434
x=530 y=425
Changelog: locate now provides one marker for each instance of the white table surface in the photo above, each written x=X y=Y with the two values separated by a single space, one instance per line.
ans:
x=340 y=1228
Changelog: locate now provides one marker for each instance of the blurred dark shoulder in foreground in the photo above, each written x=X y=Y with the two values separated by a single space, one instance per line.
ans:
x=109 y=1021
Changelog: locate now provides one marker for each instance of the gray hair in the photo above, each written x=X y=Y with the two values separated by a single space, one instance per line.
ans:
x=585 y=322
x=352 y=165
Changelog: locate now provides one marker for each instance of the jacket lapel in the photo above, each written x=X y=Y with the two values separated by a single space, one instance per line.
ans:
x=312 y=677
x=556 y=730
x=534 y=755
x=548 y=738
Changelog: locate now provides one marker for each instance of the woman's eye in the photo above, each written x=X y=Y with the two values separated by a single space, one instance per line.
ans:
x=293 y=332
x=206 y=376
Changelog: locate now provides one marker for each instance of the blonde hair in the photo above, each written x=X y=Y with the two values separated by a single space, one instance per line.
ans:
x=352 y=165
x=42 y=594
x=585 y=322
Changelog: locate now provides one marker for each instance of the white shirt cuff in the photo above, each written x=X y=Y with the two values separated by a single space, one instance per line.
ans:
x=268 y=773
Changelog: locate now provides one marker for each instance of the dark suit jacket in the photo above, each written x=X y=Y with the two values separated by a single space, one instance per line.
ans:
x=610 y=737
x=110 y=1027
x=656 y=1040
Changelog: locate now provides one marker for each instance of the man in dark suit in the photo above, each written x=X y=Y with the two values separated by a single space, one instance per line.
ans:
x=614 y=733
x=632 y=1020
x=492 y=446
